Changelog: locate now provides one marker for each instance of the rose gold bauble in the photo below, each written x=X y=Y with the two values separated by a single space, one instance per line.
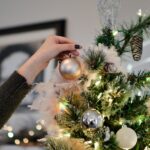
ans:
x=70 y=69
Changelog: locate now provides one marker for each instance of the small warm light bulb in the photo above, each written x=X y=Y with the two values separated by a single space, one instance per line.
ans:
x=139 y=12
x=148 y=79
x=97 y=83
x=42 y=122
x=129 y=67
x=100 y=77
x=115 y=32
x=121 y=121
x=110 y=100
x=139 y=93
x=9 y=128
x=110 y=90
x=25 y=140
x=10 y=134
x=99 y=96
x=103 y=115
x=67 y=134
x=140 y=121
x=17 y=141
x=31 y=133
x=62 y=106
x=96 y=146
x=88 y=142
x=38 y=127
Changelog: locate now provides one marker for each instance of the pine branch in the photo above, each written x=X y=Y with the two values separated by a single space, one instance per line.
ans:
x=110 y=96
x=55 y=144
x=135 y=111
x=107 y=38
x=143 y=130
x=94 y=59
x=112 y=144
x=70 y=119
x=66 y=144
x=142 y=25
x=142 y=79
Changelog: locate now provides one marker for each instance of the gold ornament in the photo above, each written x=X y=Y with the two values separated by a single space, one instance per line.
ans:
x=70 y=69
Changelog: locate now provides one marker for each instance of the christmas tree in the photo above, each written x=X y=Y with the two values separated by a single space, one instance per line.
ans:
x=106 y=108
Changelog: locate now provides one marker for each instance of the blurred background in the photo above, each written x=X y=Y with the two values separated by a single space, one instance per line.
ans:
x=82 y=23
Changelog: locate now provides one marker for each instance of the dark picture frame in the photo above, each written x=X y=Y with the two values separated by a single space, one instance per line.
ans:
x=59 y=25
x=18 y=43
x=7 y=47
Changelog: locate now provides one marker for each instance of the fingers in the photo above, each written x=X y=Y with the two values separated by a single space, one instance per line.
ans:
x=76 y=53
x=63 y=40
x=68 y=47
x=67 y=54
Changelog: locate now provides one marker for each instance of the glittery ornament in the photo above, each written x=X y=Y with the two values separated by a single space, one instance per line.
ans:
x=107 y=134
x=110 y=68
x=70 y=69
x=136 y=47
x=126 y=138
x=92 y=119
x=108 y=12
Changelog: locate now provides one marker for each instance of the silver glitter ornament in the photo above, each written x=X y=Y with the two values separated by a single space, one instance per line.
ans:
x=108 y=12
x=110 y=68
x=92 y=119
x=70 y=69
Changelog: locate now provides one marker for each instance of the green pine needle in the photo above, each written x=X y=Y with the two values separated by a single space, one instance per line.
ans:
x=94 y=59
x=57 y=144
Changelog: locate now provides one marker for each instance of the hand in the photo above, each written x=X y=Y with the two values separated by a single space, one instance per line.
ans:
x=53 y=47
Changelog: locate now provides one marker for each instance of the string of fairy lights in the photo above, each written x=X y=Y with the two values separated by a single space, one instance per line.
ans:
x=40 y=125
x=10 y=134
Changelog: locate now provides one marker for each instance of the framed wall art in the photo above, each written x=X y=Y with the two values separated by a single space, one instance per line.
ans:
x=18 y=43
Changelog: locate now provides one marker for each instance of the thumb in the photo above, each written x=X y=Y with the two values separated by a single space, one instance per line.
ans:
x=68 y=47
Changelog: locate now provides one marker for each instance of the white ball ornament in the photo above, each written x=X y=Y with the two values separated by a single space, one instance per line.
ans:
x=70 y=69
x=146 y=148
x=126 y=138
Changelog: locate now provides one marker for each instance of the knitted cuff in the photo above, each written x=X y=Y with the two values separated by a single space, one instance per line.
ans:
x=11 y=94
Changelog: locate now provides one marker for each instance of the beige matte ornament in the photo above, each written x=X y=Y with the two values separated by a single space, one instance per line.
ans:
x=70 y=69
x=126 y=138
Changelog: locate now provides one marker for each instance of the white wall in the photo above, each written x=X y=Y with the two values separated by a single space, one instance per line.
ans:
x=82 y=16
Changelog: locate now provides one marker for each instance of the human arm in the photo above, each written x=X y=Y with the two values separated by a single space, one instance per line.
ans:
x=53 y=46
x=11 y=94
x=20 y=82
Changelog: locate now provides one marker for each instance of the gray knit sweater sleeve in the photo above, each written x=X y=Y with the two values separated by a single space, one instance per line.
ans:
x=11 y=94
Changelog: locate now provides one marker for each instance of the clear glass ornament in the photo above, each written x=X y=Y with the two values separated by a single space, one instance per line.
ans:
x=108 y=12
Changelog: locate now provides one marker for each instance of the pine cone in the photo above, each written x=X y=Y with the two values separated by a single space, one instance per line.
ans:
x=136 y=47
